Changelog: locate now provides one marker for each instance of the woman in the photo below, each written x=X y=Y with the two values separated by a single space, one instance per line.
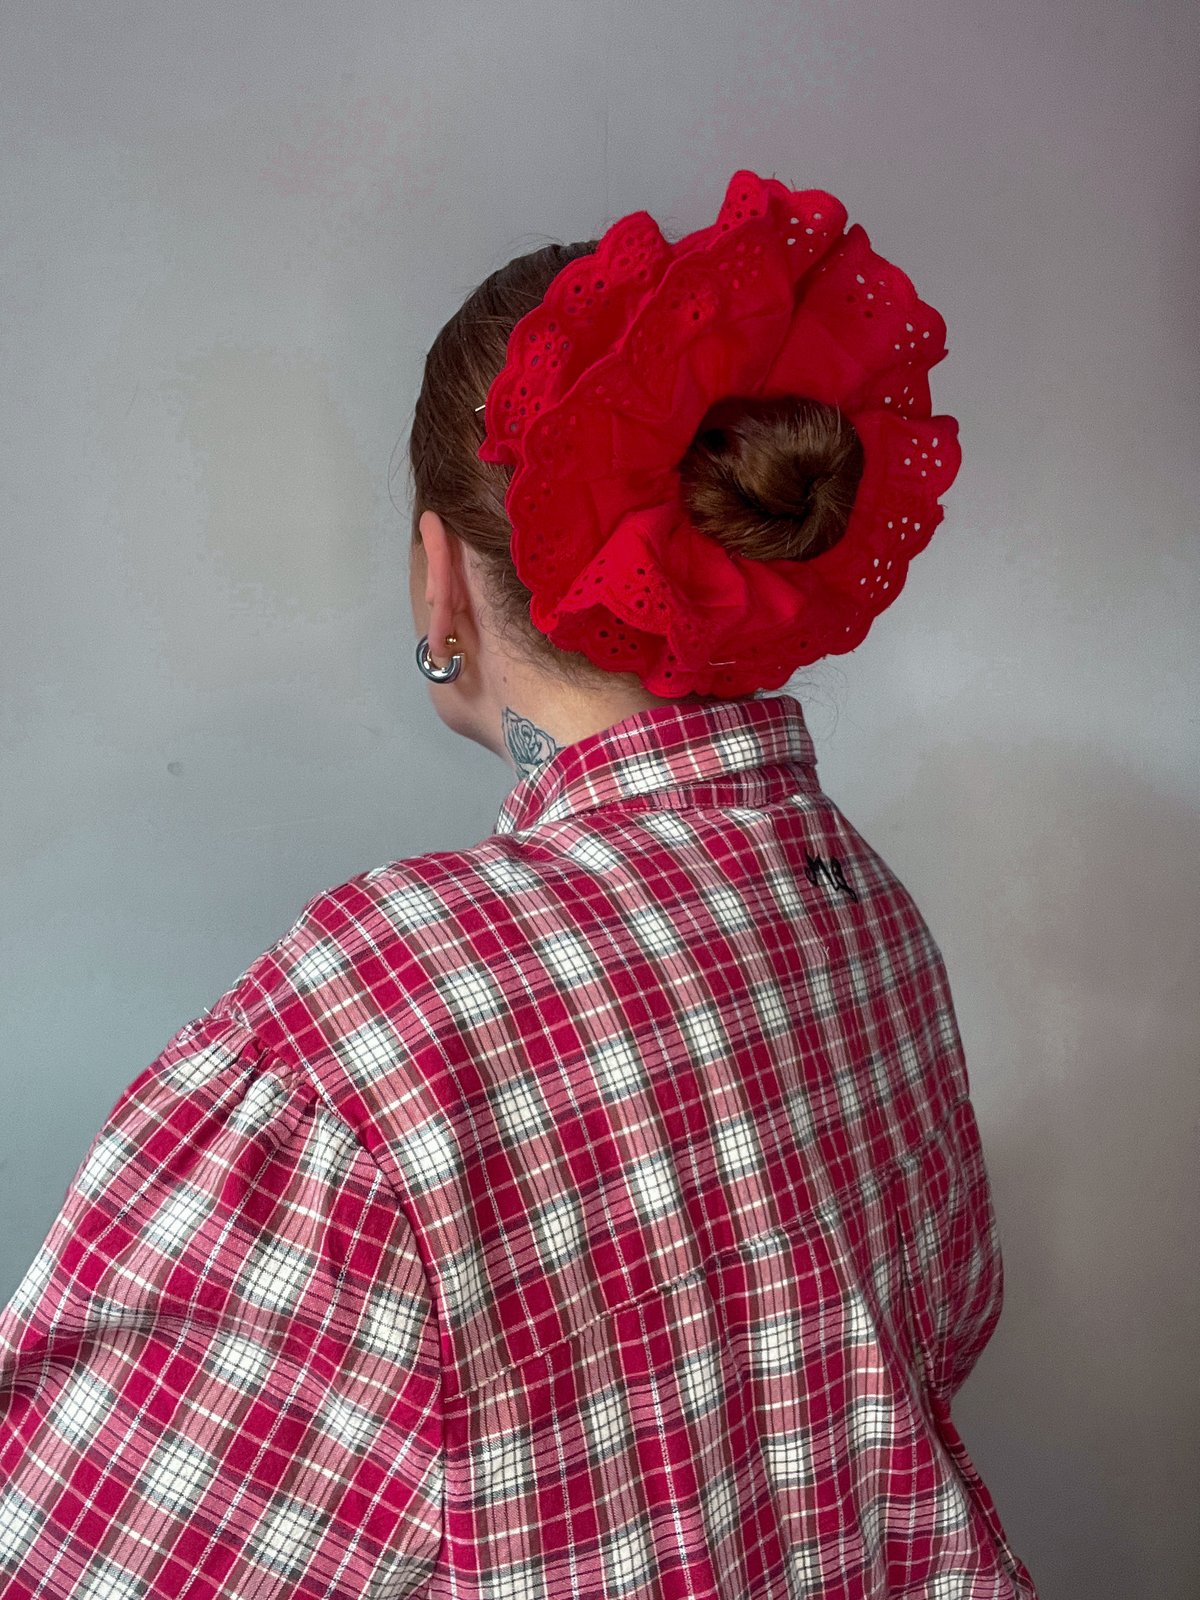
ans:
x=598 y=1210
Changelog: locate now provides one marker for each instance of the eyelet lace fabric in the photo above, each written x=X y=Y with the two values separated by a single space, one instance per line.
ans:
x=605 y=385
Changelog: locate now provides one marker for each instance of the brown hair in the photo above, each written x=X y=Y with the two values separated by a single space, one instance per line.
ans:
x=770 y=478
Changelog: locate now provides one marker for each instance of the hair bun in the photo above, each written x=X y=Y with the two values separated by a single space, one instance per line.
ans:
x=772 y=478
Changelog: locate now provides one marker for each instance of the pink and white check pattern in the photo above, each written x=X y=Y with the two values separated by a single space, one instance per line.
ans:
x=598 y=1211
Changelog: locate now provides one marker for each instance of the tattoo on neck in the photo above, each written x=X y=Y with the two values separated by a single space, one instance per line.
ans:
x=530 y=746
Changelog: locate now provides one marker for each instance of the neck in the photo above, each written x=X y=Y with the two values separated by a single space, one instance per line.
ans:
x=535 y=729
x=526 y=716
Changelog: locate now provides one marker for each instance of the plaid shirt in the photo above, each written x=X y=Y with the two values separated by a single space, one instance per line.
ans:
x=598 y=1211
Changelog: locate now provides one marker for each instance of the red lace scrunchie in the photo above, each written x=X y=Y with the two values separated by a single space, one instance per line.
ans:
x=604 y=387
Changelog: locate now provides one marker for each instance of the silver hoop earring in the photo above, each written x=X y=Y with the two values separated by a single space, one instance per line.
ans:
x=436 y=674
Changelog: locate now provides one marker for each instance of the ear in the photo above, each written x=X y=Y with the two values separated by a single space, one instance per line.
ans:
x=446 y=591
x=435 y=541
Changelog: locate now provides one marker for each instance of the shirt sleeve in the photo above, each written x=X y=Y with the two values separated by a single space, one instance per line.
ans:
x=220 y=1377
x=952 y=1255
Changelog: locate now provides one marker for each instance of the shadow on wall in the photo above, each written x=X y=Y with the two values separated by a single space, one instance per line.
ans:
x=1086 y=1401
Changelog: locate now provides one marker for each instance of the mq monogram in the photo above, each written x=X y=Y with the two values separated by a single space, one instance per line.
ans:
x=815 y=867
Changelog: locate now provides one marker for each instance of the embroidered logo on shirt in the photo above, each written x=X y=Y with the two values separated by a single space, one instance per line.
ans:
x=815 y=867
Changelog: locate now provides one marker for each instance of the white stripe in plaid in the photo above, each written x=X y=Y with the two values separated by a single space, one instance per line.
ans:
x=21 y=1520
x=321 y=962
x=275 y=1274
x=590 y=851
x=502 y=1466
x=607 y=1423
x=465 y=1283
x=391 y=1325
x=109 y=1155
x=507 y=875
x=617 y=1067
x=471 y=994
x=628 y=1557
x=410 y=906
x=790 y=1459
x=721 y=1505
x=654 y=1187
x=82 y=1401
x=31 y=1290
x=178 y=1219
x=368 y=1050
x=668 y=828
x=568 y=959
x=777 y=1344
x=286 y=1536
x=706 y=1037
x=243 y=1363
x=521 y=1109
x=178 y=1473
x=655 y=932
x=428 y=1154
x=738 y=1148
x=106 y=1580
x=559 y=1229
x=727 y=907
x=770 y=1004
x=701 y=1381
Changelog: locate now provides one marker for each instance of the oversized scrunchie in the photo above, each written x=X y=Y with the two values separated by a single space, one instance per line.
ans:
x=605 y=384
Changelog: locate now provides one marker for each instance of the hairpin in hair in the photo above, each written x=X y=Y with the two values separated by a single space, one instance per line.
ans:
x=480 y=408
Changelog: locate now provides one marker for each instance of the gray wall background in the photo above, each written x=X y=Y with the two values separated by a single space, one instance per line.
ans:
x=230 y=233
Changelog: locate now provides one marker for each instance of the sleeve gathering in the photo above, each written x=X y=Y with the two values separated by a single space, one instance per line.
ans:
x=220 y=1375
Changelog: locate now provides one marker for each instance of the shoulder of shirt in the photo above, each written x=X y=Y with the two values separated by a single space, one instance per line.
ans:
x=392 y=925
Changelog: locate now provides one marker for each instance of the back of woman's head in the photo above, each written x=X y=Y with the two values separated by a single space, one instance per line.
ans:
x=768 y=478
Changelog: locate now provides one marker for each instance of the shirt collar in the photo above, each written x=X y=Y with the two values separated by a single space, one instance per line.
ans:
x=748 y=752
